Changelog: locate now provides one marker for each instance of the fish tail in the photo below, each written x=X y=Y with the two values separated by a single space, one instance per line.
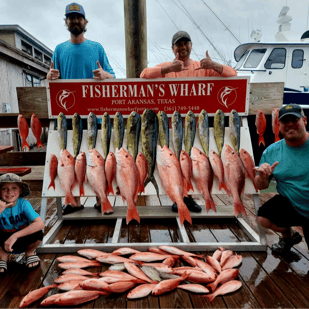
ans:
x=52 y=184
x=110 y=189
x=222 y=185
x=69 y=199
x=239 y=208
x=277 y=138
x=81 y=190
x=154 y=182
x=183 y=212
x=106 y=207
x=132 y=213
x=40 y=144
x=210 y=296
x=25 y=144
x=261 y=140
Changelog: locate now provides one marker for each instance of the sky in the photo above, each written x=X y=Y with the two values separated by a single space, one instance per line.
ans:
x=218 y=26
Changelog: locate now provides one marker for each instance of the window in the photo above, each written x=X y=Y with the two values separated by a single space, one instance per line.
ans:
x=276 y=59
x=241 y=60
x=47 y=60
x=27 y=48
x=255 y=58
x=38 y=55
x=297 y=58
x=32 y=81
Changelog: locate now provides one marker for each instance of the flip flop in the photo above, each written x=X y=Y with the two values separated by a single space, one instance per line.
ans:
x=68 y=209
x=4 y=266
x=32 y=259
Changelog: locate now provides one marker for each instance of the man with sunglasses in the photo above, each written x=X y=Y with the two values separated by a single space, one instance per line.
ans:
x=79 y=57
x=288 y=162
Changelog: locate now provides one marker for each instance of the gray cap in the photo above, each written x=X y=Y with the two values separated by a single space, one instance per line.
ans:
x=180 y=35
x=10 y=177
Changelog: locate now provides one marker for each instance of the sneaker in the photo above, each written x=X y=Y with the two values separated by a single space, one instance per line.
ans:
x=285 y=244
x=190 y=203
x=97 y=207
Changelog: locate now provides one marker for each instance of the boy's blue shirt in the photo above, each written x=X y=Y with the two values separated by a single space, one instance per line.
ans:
x=17 y=217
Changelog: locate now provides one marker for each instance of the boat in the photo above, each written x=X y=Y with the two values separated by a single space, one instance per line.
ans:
x=282 y=61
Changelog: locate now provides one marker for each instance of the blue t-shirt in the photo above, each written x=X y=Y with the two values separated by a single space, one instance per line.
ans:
x=77 y=61
x=17 y=217
x=292 y=173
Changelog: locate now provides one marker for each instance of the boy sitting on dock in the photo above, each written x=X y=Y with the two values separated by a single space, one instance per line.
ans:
x=20 y=226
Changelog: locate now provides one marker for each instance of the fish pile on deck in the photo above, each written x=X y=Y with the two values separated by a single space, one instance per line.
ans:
x=133 y=170
x=140 y=274
x=36 y=127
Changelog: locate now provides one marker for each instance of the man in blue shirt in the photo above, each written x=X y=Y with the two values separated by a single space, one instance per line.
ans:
x=79 y=58
x=288 y=161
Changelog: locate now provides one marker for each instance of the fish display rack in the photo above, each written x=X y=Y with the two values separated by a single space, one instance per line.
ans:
x=257 y=240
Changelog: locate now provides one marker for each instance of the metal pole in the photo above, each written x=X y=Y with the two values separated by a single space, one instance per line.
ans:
x=135 y=37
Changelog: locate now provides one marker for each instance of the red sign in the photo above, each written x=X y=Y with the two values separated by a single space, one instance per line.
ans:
x=124 y=96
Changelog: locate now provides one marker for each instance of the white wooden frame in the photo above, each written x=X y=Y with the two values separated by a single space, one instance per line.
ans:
x=257 y=240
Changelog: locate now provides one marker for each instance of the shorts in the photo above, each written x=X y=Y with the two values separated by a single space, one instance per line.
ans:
x=21 y=243
x=281 y=212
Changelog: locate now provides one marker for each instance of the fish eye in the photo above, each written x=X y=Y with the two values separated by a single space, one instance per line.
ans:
x=68 y=156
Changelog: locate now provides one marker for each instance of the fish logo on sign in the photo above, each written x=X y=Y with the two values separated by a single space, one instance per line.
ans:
x=227 y=96
x=65 y=99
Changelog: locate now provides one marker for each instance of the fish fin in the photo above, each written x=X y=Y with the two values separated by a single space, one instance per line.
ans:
x=239 y=208
x=210 y=296
x=212 y=286
x=277 y=138
x=110 y=189
x=40 y=144
x=25 y=144
x=106 y=207
x=261 y=140
x=183 y=212
x=132 y=213
x=69 y=199
x=52 y=184
x=222 y=185
x=154 y=182
x=81 y=190
x=190 y=186
x=210 y=204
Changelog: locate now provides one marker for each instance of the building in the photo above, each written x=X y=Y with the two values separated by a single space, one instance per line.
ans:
x=24 y=62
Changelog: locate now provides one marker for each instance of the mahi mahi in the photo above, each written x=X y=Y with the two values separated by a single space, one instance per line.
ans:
x=203 y=131
x=219 y=130
x=163 y=129
x=234 y=125
x=149 y=133
x=106 y=134
x=118 y=130
x=62 y=127
x=133 y=133
x=190 y=129
x=77 y=128
x=177 y=133
x=92 y=130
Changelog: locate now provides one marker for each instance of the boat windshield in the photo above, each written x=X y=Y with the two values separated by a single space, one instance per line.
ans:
x=255 y=58
x=241 y=60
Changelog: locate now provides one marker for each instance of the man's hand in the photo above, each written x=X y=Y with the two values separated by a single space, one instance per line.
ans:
x=207 y=63
x=178 y=65
x=265 y=170
x=52 y=73
x=100 y=74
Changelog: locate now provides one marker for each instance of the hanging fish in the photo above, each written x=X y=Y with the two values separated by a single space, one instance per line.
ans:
x=36 y=128
x=149 y=132
x=133 y=133
x=77 y=127
x=177 y=133
x=234 y=125
x=23 y=131
x=62 y=127
x=190 y=129
x=106 y=134
x=163 y=129
x=203 y=131
x=219 y=130
x=260 y=123
x=275 y=122
x=92 y=130
x=118 y=130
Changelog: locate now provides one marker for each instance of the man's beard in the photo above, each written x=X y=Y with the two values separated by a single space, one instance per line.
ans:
x=76 y=30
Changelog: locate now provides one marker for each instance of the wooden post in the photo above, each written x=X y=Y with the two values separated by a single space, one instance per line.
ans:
x=135 y=36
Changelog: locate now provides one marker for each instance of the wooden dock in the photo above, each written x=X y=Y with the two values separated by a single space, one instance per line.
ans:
x=269 y=280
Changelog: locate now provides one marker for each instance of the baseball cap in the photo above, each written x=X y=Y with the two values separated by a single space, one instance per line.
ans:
x=291 y=109
x=74 y=8
x=10 y=177
x=180 y=35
